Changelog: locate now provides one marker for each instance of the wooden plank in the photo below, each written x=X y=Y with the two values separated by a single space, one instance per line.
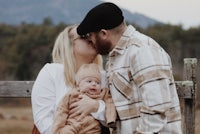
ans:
x=24 y=88
x=190 y=66
x=185 y=89
x=16 y=88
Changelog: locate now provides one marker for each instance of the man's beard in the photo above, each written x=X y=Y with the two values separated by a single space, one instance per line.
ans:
x=102 y=47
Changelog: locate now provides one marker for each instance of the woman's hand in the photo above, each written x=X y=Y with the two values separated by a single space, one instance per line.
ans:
x=83 y=106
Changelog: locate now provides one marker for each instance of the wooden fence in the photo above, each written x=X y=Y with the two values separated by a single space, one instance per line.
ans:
x=186 y=90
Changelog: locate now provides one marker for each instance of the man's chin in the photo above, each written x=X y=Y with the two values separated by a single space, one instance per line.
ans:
x=103 y=52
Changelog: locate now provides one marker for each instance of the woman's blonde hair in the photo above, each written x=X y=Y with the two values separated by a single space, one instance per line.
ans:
x=63 y=54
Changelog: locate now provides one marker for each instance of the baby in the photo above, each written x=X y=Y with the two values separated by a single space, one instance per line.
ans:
x=88 y=82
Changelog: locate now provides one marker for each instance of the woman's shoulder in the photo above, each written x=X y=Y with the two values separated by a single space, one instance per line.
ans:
x=52 y=69
x=53 y=66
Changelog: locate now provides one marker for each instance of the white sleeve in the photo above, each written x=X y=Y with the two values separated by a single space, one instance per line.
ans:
x=43 y=101
x=100 y=114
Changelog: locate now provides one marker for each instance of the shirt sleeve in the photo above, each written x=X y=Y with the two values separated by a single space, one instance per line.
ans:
x=100 y=114
x=43 y=100
x=152 y=73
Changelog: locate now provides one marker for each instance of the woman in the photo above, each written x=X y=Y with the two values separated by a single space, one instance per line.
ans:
x=57 y=78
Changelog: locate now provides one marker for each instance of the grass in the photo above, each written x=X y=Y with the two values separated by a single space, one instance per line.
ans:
x=18 y=120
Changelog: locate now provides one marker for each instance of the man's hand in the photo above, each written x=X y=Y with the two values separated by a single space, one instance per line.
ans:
x=83 y=107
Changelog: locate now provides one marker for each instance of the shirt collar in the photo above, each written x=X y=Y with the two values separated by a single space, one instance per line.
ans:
x=123 y=41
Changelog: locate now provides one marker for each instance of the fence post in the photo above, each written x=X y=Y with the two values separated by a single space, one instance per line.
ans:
x=190 y=65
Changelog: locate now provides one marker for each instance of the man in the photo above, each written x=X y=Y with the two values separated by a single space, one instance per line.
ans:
x=139 y=73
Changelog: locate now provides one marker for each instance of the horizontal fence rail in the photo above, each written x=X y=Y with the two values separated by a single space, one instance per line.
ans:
x=24 y=88
x=15 y=88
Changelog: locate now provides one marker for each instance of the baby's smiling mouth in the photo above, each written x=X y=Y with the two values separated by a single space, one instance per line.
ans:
x=93 y=91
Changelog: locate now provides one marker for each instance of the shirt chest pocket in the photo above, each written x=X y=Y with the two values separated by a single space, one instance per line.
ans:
x=123 y=89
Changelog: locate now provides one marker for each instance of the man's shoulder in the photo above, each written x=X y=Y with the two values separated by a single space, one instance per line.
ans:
x=139 y=39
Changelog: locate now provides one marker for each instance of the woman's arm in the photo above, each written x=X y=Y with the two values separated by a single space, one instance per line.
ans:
x=43 y=100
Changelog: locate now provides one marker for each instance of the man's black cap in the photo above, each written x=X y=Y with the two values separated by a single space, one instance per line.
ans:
x=104 y=16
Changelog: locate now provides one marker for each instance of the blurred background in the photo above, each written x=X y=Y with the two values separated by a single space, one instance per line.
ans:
x=28 y=30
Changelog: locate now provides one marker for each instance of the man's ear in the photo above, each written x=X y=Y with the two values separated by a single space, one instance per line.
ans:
x=103 y=33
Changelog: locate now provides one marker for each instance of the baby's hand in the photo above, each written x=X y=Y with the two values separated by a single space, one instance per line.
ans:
x=83 y=107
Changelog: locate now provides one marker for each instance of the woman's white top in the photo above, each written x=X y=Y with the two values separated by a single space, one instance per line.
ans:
x=48 y=90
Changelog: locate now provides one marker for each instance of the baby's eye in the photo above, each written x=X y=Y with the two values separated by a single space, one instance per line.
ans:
x=89 y=81
x=98 y=83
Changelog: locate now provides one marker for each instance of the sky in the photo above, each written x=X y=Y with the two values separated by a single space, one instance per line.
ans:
x=184 y=12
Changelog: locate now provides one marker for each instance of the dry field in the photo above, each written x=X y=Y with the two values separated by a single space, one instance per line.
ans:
x=18 y=120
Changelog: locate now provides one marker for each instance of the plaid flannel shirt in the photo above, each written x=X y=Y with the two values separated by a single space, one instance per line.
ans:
x=141 y=82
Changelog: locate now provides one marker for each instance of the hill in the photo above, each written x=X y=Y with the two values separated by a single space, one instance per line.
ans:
x=68 y=11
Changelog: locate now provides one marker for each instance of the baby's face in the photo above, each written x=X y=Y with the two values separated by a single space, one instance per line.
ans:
x=90 y=85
